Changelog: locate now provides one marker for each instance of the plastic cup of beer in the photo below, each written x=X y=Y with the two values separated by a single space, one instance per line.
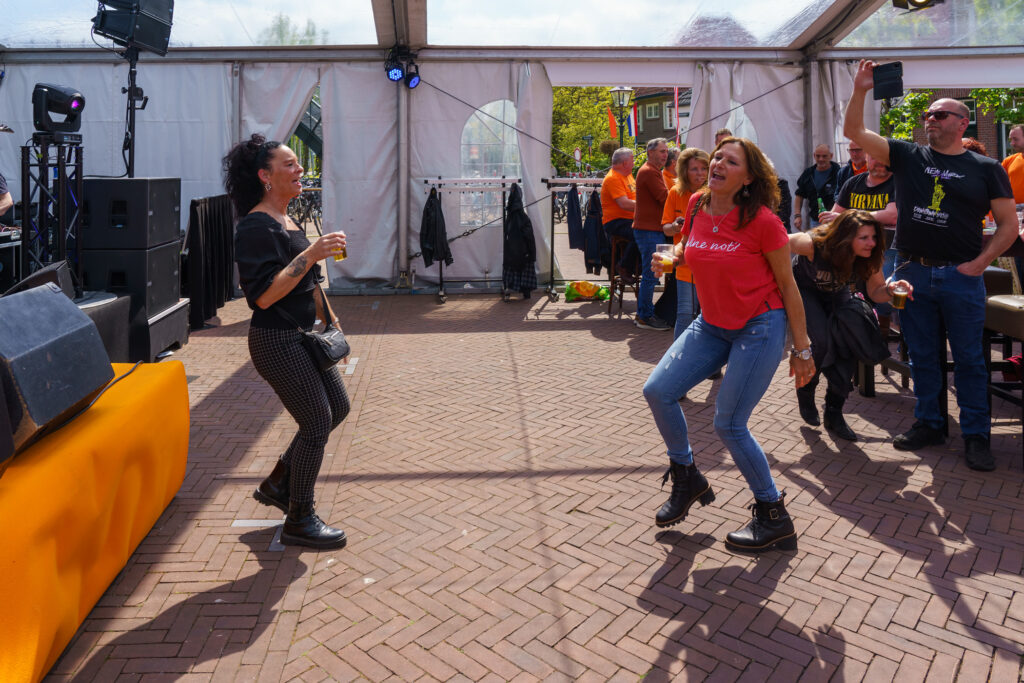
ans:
x=340 y=254
x=665 y=254
x=899 y=296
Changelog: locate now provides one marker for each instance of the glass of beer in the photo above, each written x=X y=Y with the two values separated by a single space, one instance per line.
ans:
x=665 y=254
x=899 y=296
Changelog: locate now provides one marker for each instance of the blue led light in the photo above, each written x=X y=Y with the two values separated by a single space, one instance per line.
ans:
x=412 y=80
x=396 y=73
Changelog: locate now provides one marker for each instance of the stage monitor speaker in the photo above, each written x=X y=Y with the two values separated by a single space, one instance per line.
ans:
x=58 y=274
x=130 y=213
x=150 y=276
x=145 y=24
x=52 y=361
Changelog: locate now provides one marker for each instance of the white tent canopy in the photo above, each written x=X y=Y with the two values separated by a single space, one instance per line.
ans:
x=783 y=86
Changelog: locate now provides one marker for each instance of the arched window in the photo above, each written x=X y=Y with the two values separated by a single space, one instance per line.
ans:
x=490 y=149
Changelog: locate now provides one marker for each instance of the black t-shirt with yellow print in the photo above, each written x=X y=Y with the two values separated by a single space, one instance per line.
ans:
x=942 y=200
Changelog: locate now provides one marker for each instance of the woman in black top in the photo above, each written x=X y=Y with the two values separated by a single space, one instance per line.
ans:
x=833 y=260
x=278 y=271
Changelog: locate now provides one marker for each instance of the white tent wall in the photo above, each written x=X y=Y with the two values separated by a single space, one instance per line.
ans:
x=776 y=118
x=274 y=96
x=436 y=122
x=182 y=133
x=360 y=171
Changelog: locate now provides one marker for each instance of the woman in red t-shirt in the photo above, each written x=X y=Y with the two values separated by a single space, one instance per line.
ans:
x=738 y=251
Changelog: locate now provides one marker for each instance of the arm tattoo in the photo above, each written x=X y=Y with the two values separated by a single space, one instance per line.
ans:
x=297 y=268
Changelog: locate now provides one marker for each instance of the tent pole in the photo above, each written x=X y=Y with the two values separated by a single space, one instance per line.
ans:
x=403 y=186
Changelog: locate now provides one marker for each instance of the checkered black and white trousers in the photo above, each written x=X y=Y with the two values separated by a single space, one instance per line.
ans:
x=316 y=399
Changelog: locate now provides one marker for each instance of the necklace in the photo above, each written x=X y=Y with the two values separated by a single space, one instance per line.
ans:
x=714 y=225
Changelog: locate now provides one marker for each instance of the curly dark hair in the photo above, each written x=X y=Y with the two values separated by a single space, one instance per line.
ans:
x=241 y=172
x=763 y=191
x=835 y=240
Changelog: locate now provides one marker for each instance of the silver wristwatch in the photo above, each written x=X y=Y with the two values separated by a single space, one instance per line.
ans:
x=802 y=355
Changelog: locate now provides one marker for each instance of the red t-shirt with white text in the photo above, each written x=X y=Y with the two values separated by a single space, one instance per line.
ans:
x=733 y=278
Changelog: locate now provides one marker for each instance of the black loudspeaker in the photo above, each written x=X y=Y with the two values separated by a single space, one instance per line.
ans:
x=10 y=252
x=145 y=24
x=52 y=362
x=150 y=276
x=58 y=274
x=130 y=213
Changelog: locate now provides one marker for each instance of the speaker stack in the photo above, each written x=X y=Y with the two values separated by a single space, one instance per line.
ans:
x=131 y=244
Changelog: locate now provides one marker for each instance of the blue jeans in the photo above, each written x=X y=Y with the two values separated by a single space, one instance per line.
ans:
x=686 y=306
x=944 y=297
x=753 y=355
x=647 y=241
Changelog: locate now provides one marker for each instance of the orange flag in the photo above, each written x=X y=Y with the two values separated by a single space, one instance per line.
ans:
x=613 y=130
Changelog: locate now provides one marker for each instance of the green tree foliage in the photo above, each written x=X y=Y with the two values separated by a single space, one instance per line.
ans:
x=899 y=120
x=283 y=32
x=579 y=111
x=1007 y=104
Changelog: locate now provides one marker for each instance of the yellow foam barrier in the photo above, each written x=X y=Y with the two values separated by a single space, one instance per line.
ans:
x=74 y=507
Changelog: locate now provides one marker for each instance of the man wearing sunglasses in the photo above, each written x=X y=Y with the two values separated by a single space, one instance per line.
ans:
x=942 y=195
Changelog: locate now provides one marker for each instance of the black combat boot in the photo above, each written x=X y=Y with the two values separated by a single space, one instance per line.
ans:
x=274 y=489
x=805 y=399
x=302 y=526
x=688 y=486
x=770 y=528
x=834 y=420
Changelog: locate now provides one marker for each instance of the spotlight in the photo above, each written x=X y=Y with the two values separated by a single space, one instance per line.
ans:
x=912 y=5
x=393 y=66
x=412 y=75
x=56 y=99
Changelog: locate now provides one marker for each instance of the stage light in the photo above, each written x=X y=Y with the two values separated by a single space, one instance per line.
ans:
x=393 y=66
x=912 y=5
x=142 y=24
x=56 y=99
x=412 y=75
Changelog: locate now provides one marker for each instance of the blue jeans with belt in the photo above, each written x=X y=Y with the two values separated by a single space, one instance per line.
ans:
x=946 y=298
x=752 y=353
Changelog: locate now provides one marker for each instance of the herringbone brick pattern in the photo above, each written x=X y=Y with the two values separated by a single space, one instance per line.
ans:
x=498 y=478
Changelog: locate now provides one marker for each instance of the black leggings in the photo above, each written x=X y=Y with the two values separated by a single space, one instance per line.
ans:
x=315 y=398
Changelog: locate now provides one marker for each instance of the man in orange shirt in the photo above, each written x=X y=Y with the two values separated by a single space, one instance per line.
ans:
x=650 y=201
x=1014 y=164
x=669 y=172
x=618 y=200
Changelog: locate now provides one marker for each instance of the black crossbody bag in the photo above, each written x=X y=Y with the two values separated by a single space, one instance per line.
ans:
x=326 y=348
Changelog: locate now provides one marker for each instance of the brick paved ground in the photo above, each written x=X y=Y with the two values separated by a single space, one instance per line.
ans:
x=498 y=478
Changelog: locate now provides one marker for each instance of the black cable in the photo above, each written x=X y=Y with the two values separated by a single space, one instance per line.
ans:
x=97 y=397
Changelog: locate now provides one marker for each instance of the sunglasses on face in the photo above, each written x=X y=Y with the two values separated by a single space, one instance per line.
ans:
x=940 y=115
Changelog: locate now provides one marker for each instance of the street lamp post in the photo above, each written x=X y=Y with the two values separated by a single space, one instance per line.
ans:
x=589 y=139
x=620 y=98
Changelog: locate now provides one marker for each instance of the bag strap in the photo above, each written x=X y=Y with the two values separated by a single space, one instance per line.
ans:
x=289 y=319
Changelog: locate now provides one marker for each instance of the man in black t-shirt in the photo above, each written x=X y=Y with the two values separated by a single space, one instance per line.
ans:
x=873 y=191
x=818 y=181
x=942 y=195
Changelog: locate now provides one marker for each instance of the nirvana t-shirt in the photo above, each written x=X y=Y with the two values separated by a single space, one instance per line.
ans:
x=942 y=200
x=857 y=195
x=733 y=279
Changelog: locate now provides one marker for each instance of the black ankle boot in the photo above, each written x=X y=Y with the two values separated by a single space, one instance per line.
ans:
x=770 y=528
x=807 y=409
x=834 y=420
x=688 y=486
x=302 y=526
x=274 y=489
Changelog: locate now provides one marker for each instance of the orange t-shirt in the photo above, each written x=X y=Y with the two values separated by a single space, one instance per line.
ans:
x=670 y=178
x=675 y=206
x=1014 y=165
x=616 y=185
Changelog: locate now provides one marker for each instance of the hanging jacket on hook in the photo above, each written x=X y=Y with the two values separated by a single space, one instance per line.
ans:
x=433 y=236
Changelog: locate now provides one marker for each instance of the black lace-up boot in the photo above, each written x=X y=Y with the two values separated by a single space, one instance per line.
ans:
x=771 y=528
x=302 y=526
x=274 y=489
x=688 y=486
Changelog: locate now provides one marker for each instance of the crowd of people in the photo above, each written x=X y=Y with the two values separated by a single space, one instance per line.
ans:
x=745 y=282
x=743 y=275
